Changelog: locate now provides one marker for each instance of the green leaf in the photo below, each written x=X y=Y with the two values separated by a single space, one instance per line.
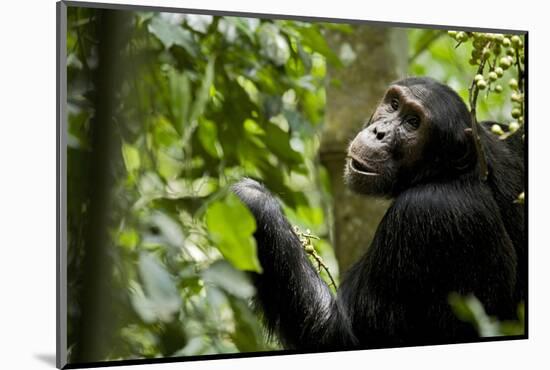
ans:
x=164 y=132
x=130 y=155
x=180 y=93
x=231 y=226
x=128 y=238
x=279 y=144
x=521 y=312
x=159 y=299
x=186 y=188
x=225 y=276
x=172 y=34
x=274 y=45
x=272 y=105
x=305 y=57
x=157 y=282
x=242 y=25
x=199 y=22
x=312 y=37
x=248 y=335
x=202 y=95
x=150 y=187
x=141 y=304
x=469 y=309
x=423 y=40
x=511 y=328
x=460 y=308
x=208 y=136
x=196 y=346
x=168 y=231
x=167 y=166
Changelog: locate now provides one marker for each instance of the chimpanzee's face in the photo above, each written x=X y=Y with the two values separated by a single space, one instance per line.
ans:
x=393 y=141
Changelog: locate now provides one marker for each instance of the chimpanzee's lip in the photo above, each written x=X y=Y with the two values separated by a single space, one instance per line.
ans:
x=359 y=166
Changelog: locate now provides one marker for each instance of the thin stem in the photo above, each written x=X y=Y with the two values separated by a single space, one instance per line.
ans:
x=473 y=93
x=305 y=240
x=521 y=77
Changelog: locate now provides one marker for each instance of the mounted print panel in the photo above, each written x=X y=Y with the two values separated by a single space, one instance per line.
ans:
x=236 y=185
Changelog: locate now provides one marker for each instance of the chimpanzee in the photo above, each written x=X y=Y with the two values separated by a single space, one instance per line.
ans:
x=447 y=230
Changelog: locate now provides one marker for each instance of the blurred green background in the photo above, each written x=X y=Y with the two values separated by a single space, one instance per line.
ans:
x=158 y=248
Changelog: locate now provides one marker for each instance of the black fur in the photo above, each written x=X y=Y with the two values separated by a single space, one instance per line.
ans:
x=446 y=231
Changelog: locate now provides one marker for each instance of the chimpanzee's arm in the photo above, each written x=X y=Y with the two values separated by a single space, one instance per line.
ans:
x=296 y=303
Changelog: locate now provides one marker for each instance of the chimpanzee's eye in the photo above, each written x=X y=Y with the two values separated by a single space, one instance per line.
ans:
x=413 y=122
x=394 y=104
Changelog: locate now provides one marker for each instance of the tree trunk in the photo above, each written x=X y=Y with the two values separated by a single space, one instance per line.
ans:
x=97 y=323
x=373 y=57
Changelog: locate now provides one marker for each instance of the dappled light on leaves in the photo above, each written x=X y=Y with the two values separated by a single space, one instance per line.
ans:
x=203 y=101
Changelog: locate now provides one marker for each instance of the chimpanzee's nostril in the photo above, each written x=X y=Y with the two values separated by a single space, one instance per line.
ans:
x=379 y=135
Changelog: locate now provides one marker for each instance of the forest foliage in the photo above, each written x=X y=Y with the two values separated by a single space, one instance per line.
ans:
x=206 y=100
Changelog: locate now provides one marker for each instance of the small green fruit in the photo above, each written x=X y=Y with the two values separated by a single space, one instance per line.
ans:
x=496 y=129
x=513 y=126
x=461 y=36
x=478 y=43
x=504 y=63
x=481 y=84
x=479 y=36
x=517 y=98
x=516 y=41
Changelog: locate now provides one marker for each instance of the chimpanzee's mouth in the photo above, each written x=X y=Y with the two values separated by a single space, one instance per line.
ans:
x=360 y=167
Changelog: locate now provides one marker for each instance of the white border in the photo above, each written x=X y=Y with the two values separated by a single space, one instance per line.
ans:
x=28 y=182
